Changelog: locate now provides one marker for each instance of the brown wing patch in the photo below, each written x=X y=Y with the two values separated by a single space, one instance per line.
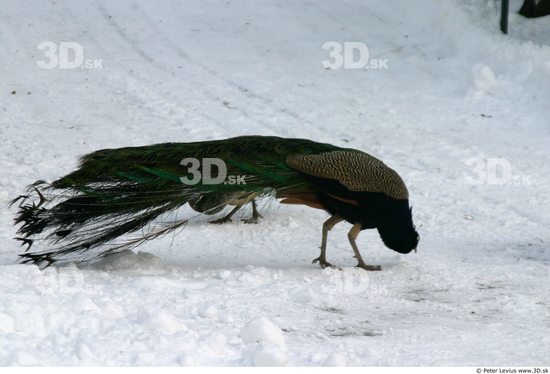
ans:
x=308 y=199
x=309 y=203
x=356 y=170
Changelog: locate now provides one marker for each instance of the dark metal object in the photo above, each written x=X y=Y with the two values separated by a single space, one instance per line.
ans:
x=504 y=9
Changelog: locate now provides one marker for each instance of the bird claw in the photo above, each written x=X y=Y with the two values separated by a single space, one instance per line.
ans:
x=221 y=221
x=253 y=220
x=324 y=264
x=369 y=267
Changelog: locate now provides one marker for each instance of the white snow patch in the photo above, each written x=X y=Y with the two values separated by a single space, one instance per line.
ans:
x=269 y=355
x=208 y=311
x=263 y=330
x=484 y=79
x=160 y=320
x=336 y=359
x=6 y=323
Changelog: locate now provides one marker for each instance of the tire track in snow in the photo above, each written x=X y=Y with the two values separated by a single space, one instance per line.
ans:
x=243 y=90
x=165 y=69
x=141 y=90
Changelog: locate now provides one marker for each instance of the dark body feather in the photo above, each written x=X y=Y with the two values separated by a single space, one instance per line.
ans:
x=83 y=215
x=392 y=217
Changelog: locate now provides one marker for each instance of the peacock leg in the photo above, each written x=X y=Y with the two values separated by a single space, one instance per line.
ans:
x=227 y=218
x=255 y=214
x=352 y=235
x=327 y=226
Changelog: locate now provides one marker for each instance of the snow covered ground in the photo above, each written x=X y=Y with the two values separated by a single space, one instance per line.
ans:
x=456 y=95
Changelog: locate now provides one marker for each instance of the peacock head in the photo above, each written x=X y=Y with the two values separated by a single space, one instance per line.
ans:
x=402 y=237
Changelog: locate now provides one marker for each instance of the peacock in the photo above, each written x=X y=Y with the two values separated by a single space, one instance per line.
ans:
x=115 y=194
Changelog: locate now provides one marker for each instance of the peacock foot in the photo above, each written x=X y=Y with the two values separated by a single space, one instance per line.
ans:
x=369 y=267
x=324 y=264
x=255 y=218
x=221 y=221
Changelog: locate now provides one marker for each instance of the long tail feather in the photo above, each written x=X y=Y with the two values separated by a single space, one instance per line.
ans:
x=77 y=219
x=86 y=214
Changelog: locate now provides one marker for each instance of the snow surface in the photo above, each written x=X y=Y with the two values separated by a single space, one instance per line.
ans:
x=475 y=294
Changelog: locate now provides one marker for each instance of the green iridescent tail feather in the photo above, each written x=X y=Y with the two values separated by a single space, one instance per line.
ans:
x=114 y=192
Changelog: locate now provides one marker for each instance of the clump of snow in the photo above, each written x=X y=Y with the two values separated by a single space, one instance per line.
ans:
x=6 y=323
x=484 y=79
x=85 y=304
x=208 y=311
x=305 y=295
x=335 y=359
x=112 y=310
x=266 y=342
x=21 y=357
x=215 y=343
x=269 y=355
x=160 y=320
x=263 y=330
x=128 y=260
x=85 y=354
